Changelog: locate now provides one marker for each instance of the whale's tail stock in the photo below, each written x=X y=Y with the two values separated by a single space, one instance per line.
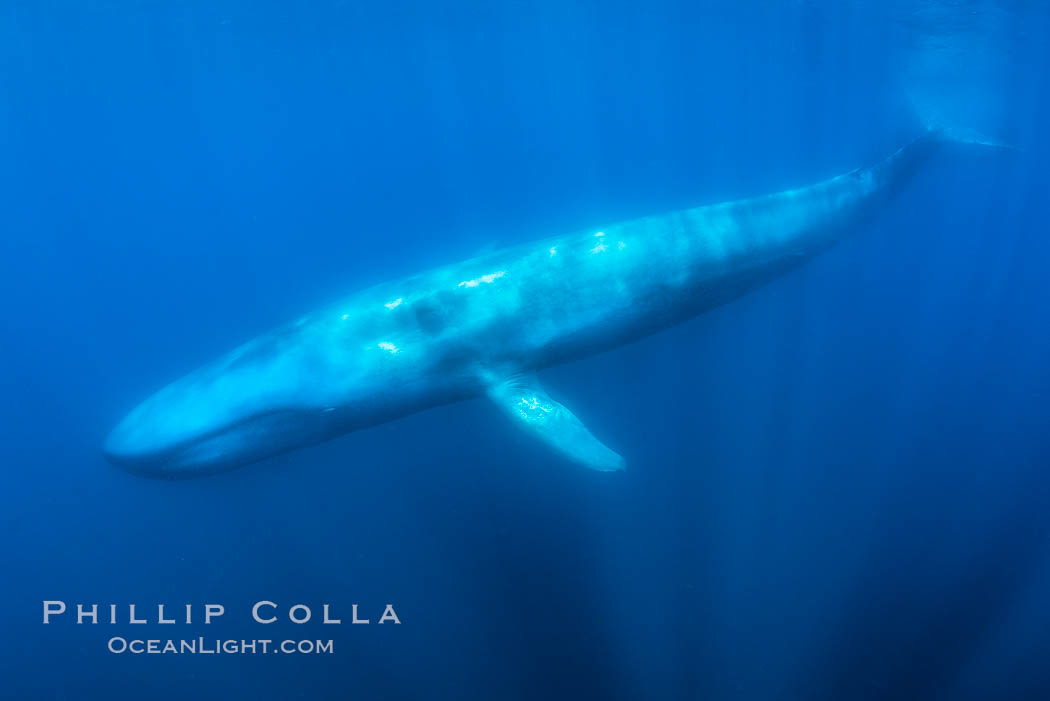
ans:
x=936 y=134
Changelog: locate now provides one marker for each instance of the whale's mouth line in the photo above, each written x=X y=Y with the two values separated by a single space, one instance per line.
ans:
x=190 y=458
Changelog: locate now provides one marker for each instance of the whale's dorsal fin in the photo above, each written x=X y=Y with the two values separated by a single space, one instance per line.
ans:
x=527 y=404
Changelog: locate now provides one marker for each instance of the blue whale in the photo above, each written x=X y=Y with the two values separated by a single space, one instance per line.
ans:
x=484 y=326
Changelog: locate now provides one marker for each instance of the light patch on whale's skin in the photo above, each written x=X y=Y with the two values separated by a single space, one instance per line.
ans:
x=462 y=330
x=484 y=279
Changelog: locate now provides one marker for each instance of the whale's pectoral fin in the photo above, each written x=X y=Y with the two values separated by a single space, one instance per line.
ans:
x=526 y=403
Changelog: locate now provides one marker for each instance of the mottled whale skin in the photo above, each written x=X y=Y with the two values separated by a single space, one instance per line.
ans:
x=484 y=326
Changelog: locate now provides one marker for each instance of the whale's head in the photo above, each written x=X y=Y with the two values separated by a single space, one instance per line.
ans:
x=259 y=401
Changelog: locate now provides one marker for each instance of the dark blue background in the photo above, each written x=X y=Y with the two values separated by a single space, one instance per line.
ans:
x=837 y=487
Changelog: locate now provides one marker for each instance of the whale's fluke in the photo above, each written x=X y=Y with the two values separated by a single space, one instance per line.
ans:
x=527 y=404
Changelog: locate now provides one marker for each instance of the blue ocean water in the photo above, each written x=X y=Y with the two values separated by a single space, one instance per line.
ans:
x=837 y=486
